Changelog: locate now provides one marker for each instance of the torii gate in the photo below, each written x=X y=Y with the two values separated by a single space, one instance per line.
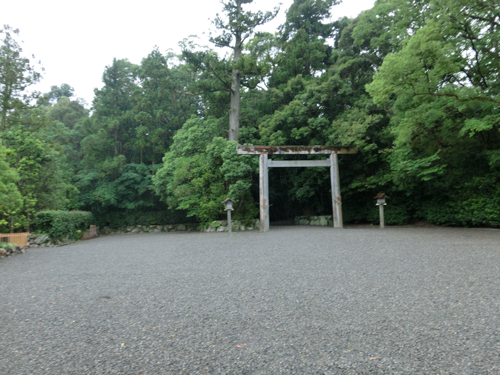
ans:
x=266 y=163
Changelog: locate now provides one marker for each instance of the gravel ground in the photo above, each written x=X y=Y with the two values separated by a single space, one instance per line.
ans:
x=295 y=300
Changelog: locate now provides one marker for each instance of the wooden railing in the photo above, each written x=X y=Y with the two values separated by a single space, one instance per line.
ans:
x=20 y=239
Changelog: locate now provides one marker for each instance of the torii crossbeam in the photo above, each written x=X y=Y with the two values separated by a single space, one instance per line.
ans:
x=265 y=163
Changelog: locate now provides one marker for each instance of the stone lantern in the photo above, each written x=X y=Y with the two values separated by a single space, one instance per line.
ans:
x=228 y=204
x=380 y=197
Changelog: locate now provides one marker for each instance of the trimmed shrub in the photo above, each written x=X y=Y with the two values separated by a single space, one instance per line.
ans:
x=63 y=224
x=121 y=219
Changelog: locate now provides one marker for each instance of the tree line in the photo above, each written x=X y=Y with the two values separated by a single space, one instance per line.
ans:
x=414 y=85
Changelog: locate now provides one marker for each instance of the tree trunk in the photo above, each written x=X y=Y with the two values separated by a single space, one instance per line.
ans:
x=234 y=111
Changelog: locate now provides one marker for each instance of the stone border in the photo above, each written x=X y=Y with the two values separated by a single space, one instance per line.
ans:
x=324 y=220
x=215 y=226
x=34 y=241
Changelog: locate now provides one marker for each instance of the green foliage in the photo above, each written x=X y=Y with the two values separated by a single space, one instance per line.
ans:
x=11 y=200
x=63 y=224
x=444 y=107
x=16 y=74
x=201 y=170
x=122 y=219
x=58 y=92
x=5 y=245
x=412 y=84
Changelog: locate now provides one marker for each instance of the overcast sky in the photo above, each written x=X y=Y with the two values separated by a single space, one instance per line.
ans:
x=75 y=40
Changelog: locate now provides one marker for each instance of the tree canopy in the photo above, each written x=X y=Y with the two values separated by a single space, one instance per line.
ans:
x=414 y=85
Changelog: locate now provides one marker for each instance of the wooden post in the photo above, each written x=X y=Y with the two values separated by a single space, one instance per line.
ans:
x=336 y=198
x=229 y=224
x=381 y=210
x=264 y=192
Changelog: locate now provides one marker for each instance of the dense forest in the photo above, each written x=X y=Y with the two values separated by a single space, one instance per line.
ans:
x=413 y=84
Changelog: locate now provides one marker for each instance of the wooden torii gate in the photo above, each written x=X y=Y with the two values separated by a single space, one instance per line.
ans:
x=265 y=163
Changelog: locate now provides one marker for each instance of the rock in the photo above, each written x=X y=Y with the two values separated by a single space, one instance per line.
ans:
x=145 y=229
x=181 y=227
x=221 y=229
x=43 y=238
x=3 y=253
x=135 y=230
x=129 y=229
x=314 y=220
x=323 y=221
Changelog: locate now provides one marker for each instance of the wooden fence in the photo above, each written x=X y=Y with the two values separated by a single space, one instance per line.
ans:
x=20 y=239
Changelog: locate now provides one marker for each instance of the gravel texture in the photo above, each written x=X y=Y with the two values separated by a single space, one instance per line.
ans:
x=295 y=300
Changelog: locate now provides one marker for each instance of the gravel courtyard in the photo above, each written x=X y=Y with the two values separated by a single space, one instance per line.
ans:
x=295 y=300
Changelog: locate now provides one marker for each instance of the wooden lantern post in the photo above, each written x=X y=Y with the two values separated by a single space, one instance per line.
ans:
x=381 y=203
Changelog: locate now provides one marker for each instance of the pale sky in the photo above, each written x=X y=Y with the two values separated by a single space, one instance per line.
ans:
x=75 y=40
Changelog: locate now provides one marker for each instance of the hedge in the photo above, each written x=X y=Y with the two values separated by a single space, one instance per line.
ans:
x=62 y=224
x=120 y=219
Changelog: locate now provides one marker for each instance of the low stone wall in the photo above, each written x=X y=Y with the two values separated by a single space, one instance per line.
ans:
x=11 y=251
x=221 y=226
x=216 y=226
x=34 y=241
x=43 y=240
x=325 y=220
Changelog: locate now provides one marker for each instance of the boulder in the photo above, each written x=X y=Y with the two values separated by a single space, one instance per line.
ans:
x=42 y=239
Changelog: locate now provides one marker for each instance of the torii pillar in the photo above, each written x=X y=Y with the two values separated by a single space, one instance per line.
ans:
x=265 y=163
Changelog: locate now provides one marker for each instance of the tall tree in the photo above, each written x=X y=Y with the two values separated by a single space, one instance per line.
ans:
x=236 y=26
x=16 y=74
x=57 y=92
x=442 y=92
x=11 y=201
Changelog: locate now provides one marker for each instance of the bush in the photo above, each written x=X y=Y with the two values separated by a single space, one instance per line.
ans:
x=5 y=245
x=63 y=224
x=121 y=219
